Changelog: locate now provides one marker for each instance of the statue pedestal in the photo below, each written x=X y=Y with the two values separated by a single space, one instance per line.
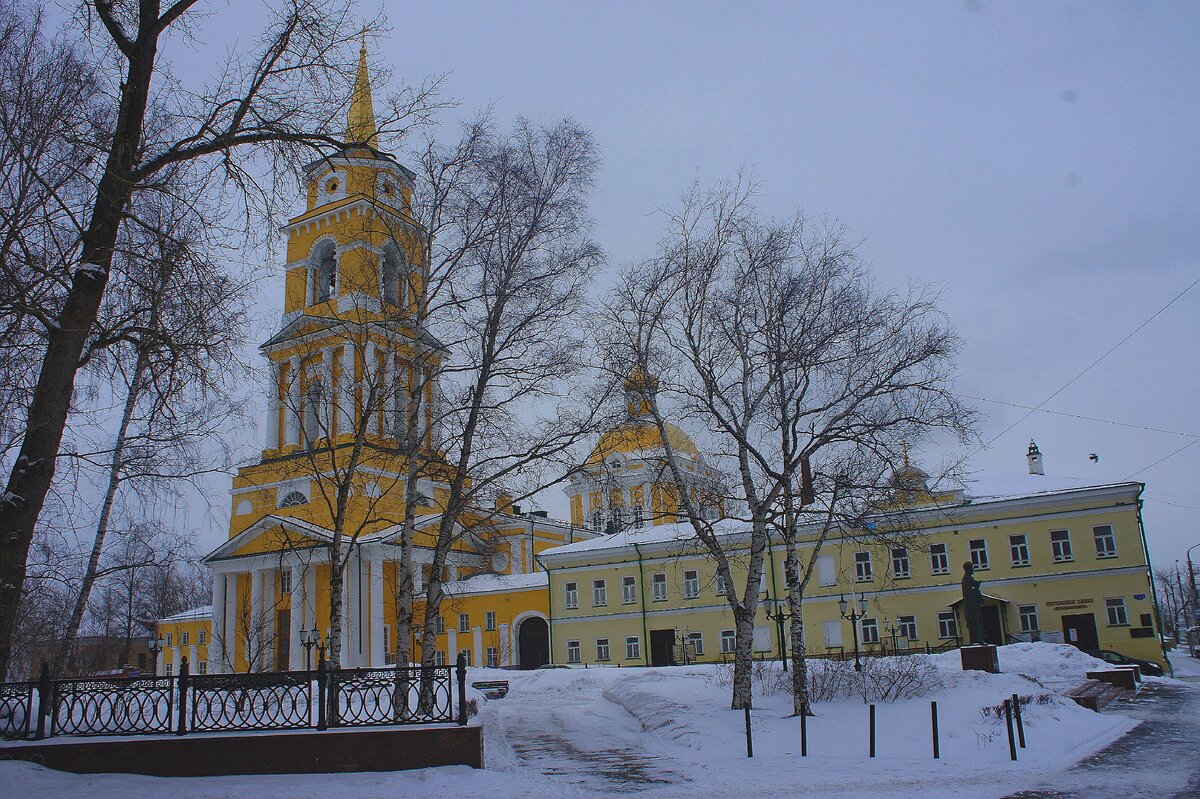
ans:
x=980 y=657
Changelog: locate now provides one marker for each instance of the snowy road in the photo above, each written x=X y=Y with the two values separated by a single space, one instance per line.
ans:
x=1159 y=759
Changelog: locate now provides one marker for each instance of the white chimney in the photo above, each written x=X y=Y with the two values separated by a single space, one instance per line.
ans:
x=1034 y=456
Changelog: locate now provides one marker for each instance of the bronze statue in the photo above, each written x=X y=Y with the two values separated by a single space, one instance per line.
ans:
x=972 y=603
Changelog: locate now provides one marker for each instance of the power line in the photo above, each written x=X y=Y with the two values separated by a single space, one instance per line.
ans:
x=1082 y=417
x=1160 y=460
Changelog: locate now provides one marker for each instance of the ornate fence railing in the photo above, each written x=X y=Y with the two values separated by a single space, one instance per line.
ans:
x=233 y=702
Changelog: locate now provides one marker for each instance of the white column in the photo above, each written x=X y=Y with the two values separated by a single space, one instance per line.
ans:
x=354 y=611
x=377 y=653
x=193 y=665
x=370 y=378
x=292 y=406
x=346 y=392
x=505 y=646
x=254 y=635
x=329 y=406
x=217 y=645
x=310 y=602
x=159 y=659
x=296 y=614
x=230 y=630
x=387 y=394
x=176 y=663
x=477 y=647
x=271 y=422
x=451 y=645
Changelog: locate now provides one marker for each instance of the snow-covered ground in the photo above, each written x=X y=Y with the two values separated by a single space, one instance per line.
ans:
x=667 y=733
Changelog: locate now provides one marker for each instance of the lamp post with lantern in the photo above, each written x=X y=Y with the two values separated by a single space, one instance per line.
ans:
x=893 y=628
x=853 y=617
x=155 y=645
x=308 y=640
x=779 y=617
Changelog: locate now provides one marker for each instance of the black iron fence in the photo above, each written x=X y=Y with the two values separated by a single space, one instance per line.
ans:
x=233 y=702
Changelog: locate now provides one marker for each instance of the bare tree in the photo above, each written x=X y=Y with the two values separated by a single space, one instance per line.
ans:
x=270 y=107
x=773 y=338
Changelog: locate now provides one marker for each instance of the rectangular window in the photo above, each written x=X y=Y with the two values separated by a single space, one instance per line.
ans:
x=493 y=657
x=826 y=570
x=862 y=566
x=939 y=560
x=628 y=590
x=728 y=642
x=979 y=555
x=465 y=654
x=439 y=658
x=639 y=517
x=900 y=562
x=167 y=669
x=285 y=581
x=168 y=639
x=601 y=649
x=464 y=622
x=439 y=627
x=204 y=667
x=722 y=588
x=599 y=593
x=1018 y=548
x=906 y=627
x=870 y=631
x=659 y=584
x=697 y=642
x=691 y=584
x=1029 y=619
x=1106 y=543
x=1060 y=546
x=1117 y=617
x=633 y=648
x=571 y=595
x=203 y=637
x=572 y=651
x=490 y=620
x=947 y=624
x=183 y=639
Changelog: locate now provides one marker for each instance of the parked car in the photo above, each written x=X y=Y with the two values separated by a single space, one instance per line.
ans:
x=1148 y=667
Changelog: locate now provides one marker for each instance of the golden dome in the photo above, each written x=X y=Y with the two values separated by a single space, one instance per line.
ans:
x=640 y=437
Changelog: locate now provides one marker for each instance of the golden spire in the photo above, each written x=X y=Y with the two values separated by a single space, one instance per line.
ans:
x=360 y=125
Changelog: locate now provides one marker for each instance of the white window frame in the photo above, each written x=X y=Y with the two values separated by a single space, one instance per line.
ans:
x=721 y=588
x=864 y=571
x=869 y=630
x=1028 y=617
x=602 y=650
x=439 y=657
x=691 y=584
x=628 y=590
x=696 y=639
x=183 y=638
x=599 y=593
x=901 y=567
x=906 y=627
x=285 y=581
x=947 y=625
x=979 y=555
x=571 y=595
x=573 y=652
x=489 y=621
x=202 y=638
x=939 y=560
x=203 y=666
x=492 y=657
x=728 y=642
x=658 y=585
x=633 y=647
x=1018 y=549
x=464 y=622
x=1109 y=548
x=1118 y=613
x=1061 y=548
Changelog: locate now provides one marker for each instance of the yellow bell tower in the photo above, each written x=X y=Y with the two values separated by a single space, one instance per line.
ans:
x=348 y=349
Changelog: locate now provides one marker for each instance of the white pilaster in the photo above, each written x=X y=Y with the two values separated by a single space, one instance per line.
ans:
x=292 y=405
x=254 y=635
x=310 y=603
x=230 y=631
x=295 y=650
x=451 y=645
x=369 y=381
x=347 y=387
x=377 y=653
x=353 y=617
x=216 y=646
x=329 y=404
x=505 y=645
x=193 y=661
x=271 y=422
x=176 y=661
x=477 y=646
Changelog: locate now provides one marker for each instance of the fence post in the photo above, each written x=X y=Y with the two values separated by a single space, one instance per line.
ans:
x=937 y=751
x=460 y=670
x=872 y=726
x=180 y=723
x=1008 y=721
x=1016 y=700
x=45 y=701
x=804 y=734
x=322 y=672
x=749 y=737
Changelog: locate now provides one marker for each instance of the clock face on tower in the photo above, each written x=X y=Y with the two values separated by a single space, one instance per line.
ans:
x=499 y=562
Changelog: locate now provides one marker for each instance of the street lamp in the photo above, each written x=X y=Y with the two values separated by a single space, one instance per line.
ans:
x=779 y=617
x=853 y=617
x=1195 y=619
x=156 y=645
x=893 y=629
x=309 y=639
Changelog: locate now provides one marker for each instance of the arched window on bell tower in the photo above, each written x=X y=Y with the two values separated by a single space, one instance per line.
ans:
x=394 y=276
x=324 y=273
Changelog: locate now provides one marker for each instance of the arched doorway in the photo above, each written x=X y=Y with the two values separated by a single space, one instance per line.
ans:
x=533 y=643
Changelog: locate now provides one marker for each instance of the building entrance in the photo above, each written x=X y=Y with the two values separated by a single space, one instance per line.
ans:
x=662 y=647
x=993 y=632
x=533 y=643
x=1080 y=631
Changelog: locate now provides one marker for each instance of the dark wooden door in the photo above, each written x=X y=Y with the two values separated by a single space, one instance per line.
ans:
x=662 y=647
x=993 y=633
x=1080 y=630
x=533 y=643
x=283 y=640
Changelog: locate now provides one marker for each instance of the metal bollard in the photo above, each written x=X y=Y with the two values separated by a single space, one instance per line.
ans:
x=1016 y=700
x=461 y=671
x=1008 y=720
x=872 y=726
x=937 y=750
x=804 y=734
x=181 y=722
x=749 y=737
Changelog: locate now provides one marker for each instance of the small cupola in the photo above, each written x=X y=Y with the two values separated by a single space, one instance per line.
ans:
x=1034 y=456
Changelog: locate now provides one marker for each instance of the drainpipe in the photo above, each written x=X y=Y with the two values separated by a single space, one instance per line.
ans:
x=645 y=623
x=1150 y=579
x=549 y=609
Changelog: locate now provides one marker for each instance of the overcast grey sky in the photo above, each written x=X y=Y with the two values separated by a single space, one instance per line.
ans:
x=1037 y=161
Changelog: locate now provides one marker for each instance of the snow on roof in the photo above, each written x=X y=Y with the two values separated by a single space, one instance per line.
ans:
x=990 y=486
x=190 y=615
x=658 y=534
x=483 y=583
